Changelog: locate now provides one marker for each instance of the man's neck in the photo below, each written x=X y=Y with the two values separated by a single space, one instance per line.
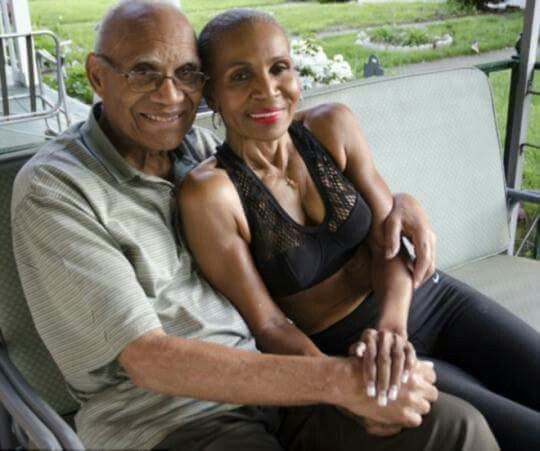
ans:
x=150 y=162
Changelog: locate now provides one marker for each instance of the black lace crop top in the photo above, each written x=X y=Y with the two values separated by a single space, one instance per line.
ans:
x=291 y=257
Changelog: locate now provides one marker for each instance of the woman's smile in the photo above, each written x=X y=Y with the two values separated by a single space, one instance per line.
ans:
x=267 y=115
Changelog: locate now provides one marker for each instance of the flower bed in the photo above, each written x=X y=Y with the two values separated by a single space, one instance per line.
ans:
x=408 y=39
x=315 y=68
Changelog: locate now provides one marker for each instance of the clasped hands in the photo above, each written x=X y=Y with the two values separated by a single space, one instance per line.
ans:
x=399 y=387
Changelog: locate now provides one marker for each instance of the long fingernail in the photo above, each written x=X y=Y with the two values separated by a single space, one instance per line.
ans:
x=361 y=348
x=392 y=393
x=382 y=400
x=405 y=376
x=371 y=389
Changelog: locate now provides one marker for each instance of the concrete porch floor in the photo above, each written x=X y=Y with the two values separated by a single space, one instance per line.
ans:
x=32 y=133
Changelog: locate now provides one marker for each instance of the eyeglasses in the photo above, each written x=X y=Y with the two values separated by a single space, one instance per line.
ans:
x=185 y=79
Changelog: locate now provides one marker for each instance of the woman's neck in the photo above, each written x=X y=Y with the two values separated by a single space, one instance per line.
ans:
x=262 y=155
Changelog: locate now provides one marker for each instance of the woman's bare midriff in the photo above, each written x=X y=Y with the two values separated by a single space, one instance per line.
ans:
x=331 y=300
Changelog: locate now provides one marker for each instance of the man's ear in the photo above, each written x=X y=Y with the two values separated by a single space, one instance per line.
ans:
x=94 y=73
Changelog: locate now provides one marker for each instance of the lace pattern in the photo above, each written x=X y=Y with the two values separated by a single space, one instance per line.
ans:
x=272 y=233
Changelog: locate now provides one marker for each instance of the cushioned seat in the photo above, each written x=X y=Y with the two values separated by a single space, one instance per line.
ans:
x=512 y=281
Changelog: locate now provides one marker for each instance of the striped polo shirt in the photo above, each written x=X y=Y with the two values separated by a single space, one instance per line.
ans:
x=101 y=264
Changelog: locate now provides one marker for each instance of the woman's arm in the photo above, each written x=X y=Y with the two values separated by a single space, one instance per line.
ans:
x=406 y=217
x=337 y=129
x=217 y=233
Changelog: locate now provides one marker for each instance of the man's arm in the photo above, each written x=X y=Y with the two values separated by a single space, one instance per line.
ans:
x=408 y=218
x=181 y=367
x=202 y=370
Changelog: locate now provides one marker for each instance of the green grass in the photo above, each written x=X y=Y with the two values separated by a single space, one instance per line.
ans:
x=65 y=17
x=492 y=32
x=308 y=18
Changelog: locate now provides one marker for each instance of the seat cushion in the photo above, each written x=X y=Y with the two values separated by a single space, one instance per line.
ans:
x=513 y=282
x=24 y=346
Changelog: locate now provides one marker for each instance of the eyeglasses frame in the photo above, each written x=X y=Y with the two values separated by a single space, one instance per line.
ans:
x=176 y=82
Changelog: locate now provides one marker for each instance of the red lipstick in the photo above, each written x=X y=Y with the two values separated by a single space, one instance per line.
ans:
x=266 y=115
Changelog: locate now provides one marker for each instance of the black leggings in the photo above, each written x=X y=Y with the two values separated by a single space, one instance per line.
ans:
x=482 y=353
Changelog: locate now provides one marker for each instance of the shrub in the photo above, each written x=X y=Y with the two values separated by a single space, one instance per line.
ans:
x=77 y=84
x=468 y=6
x=400 y=36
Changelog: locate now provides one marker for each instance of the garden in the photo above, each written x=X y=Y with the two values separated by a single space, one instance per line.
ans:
x=332 y=41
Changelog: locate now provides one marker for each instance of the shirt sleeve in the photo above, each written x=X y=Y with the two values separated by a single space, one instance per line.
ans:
x=198 y=145
x=81 y=289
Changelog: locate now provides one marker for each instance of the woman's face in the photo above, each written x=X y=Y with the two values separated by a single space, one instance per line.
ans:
x=253 y=82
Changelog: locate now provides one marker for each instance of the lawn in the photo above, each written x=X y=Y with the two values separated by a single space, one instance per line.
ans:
x=77 y=19
x=297 y=17
x=491 y=32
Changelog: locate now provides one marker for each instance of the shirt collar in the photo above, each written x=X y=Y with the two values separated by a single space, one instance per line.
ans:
x=97 y=142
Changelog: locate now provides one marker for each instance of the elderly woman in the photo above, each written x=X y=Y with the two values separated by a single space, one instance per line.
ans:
x=287 y=214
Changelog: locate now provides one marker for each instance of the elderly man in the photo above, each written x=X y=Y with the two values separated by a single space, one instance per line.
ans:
x=156 y=357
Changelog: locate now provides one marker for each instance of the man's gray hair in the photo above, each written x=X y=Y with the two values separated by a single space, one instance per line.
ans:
x=120 y=7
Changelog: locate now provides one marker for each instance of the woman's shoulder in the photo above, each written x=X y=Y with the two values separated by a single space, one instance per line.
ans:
x=329 y=123
x=327 y=116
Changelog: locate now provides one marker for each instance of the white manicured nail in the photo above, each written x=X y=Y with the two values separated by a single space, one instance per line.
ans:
x=360 y=349
x=393 y=392
x=382 y=400
x=371 y=389
x=405 y=377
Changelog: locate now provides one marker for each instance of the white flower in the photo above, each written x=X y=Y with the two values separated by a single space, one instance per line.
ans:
x=315 y=68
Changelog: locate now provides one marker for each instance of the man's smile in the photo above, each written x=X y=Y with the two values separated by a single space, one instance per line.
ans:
x=166 y=119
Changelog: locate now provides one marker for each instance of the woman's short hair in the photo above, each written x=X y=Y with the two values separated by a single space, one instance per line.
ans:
x=224 y=22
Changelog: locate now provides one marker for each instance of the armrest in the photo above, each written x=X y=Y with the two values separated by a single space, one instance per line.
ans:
x=523 y=195
x=65 y=435
x=40 y=435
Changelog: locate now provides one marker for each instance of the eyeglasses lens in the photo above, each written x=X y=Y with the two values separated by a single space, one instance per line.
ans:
x=151 y=81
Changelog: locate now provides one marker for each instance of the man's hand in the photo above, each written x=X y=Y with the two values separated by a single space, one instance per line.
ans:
x=387 y=362
x=373 y=427
x=408 y=218
x=380 y=429
x=413 y=401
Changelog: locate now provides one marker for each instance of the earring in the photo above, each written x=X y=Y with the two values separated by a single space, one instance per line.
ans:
x=217 y=122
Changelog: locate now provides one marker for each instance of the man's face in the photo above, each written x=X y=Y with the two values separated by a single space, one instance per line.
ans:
x=157 y=120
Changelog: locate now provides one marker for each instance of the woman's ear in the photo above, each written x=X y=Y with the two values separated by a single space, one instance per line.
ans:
x=94 y=73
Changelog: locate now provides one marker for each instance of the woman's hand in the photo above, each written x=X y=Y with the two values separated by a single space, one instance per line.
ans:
x=388 y=359
x=408 y=218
